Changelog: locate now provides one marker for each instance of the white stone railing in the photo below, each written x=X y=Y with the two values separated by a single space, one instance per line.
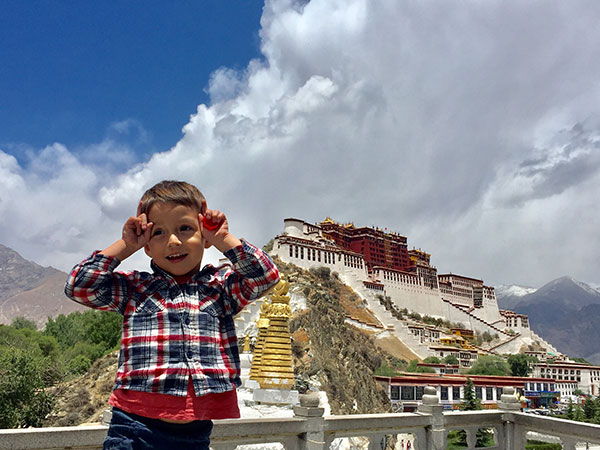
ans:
x=309 y=430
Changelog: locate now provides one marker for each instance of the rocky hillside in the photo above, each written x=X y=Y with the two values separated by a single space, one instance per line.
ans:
x=338 y=356
x=30 y=290
x=85 y=398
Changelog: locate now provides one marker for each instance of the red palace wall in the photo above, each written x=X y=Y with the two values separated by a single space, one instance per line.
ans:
x=378 y=248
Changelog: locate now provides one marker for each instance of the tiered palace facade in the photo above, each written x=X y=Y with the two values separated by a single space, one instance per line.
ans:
x=375 y=262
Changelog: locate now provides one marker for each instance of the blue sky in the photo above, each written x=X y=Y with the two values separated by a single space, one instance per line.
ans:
x=472 y=128
x=68 y=70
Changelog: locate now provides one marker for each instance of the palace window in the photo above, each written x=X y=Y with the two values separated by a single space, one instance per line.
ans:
x=407 y=392
x=444 y=393
x=420 y=392
x=455 y=392
x=478 y=392
x=395 y=392
x=489 y=393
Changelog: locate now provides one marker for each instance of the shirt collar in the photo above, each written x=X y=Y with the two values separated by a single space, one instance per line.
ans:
x=205 y=273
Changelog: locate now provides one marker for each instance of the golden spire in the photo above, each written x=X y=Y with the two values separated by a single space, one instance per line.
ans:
x=276 y=369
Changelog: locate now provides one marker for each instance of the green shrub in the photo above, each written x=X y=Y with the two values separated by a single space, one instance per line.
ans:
x=79 y=365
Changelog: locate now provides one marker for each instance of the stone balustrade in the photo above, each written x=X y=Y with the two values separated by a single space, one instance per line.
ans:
x=309 y=430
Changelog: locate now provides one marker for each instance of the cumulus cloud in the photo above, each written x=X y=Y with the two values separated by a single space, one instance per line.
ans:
x=469 y=127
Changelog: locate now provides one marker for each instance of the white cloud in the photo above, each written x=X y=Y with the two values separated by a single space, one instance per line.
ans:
x=449 y=122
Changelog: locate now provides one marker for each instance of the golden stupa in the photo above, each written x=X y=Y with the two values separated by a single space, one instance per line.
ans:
x=275 y=368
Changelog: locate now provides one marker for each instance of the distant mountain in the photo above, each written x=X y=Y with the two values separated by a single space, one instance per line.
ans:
x=30 y=290
x=509 y=296
x=566 y=312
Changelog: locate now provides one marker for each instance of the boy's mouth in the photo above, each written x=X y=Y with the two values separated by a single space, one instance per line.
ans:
x=176 y=257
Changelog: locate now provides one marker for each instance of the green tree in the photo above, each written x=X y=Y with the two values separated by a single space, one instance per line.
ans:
x=578 y=413
x=490 y=365
x=103 y=328
x=570 y=412
x=384 y=370
x=23 y=400
x=470 y=401
x=487 y=336
x=519 y=364
x=94 y=327
x=450 y=359
x=432 y=360
x=21 y=322
x=67 y=330
x=413 y=367
x=590 y=408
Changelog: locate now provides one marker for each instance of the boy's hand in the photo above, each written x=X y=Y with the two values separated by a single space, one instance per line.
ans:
x=136 y=232
x=215 y=230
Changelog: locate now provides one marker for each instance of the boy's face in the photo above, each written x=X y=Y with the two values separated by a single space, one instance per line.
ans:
x=176 y=244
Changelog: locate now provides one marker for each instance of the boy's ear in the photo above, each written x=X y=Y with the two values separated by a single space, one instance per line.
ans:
x=206 y=244
x=147 y=250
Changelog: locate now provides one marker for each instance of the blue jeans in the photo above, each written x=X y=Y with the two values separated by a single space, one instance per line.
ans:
x=132 y=432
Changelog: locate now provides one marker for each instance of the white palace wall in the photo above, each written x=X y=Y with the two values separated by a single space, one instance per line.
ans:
x=409 y=291
x=404 y=289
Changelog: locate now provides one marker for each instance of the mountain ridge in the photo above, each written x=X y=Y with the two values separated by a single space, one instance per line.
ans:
x=565 y=312
x=30 y=290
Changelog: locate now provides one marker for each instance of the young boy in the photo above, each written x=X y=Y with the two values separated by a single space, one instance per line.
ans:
x=179 y=362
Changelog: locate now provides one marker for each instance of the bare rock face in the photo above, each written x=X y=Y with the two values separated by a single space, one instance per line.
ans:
x=30 y=290
x=18 y=275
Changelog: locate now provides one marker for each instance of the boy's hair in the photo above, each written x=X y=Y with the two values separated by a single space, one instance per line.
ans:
x=169 y=191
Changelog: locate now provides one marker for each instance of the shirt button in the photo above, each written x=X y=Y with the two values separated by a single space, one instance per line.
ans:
x=187 y=321
x=190 y=354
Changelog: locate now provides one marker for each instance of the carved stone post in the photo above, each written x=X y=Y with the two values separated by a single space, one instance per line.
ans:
x=436 y=433
x=513 y=434
x=313 y=415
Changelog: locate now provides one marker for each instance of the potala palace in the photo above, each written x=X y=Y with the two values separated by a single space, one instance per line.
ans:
x=377 y=264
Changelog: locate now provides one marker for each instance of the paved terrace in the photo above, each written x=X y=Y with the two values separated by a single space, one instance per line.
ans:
x=309 y=430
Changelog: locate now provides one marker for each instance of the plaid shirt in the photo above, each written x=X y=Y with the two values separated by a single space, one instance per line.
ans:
x=172 y=331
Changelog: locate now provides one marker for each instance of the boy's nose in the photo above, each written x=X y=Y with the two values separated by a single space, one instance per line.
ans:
x=174 y=240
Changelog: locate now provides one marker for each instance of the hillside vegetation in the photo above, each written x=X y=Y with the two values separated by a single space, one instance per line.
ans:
x=34 y=364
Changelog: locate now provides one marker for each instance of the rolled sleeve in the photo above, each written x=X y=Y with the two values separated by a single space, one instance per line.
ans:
x=94 y=283
x=253 y=274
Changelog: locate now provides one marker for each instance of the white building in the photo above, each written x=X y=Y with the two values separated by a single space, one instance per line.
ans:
x=586 y=376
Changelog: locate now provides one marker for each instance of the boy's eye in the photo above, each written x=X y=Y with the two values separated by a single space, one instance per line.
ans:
x=185 y=228
x=157 y=233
